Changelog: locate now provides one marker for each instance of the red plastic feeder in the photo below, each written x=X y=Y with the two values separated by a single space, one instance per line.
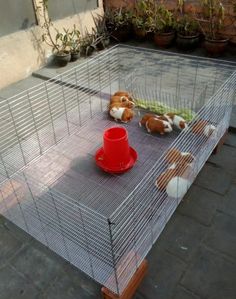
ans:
x=116 y=156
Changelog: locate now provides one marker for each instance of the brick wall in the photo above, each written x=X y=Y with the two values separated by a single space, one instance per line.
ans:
x=190 y=5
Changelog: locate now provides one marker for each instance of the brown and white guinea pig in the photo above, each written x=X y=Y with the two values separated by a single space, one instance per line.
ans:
x=122 y=100
x=144 y=119
x=178 y=121
x=161 y=117
x=166 y=117
x=155 y=125
x=181 y=162
x=187 y=157
x=203 y=127
x=125 y=94
x=164 y=178
x=121 y=113
x=172 y=156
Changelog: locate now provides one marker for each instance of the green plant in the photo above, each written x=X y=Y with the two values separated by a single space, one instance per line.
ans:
x=143 y=14
x=163 y=20
x=88 y=44
x=117 y=18
x=74 y=40
x=60 y=42
x=212 y=20
x=187 y=25
x=100 y=31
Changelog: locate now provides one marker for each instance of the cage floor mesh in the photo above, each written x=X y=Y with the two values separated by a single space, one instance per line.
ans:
x=70 y=168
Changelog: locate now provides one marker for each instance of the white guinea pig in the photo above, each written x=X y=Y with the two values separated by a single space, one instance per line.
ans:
x=177 y=187
x=121 y=113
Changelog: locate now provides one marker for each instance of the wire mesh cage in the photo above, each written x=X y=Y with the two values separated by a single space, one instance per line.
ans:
x=105 y=224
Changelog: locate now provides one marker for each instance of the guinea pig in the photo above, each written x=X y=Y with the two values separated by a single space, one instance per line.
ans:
x=124 y=93
x=166 y=118
x=203 y=127
x=178 y=121
x=164 y=178
x=155 y=125
x=187 y=157
x=123 y=100
x=177 y=187
x=145 y=118
x=121 y=113
x=172 y=156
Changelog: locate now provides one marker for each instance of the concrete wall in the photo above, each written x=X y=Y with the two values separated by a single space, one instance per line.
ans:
x=16 y=15
x=23 y=52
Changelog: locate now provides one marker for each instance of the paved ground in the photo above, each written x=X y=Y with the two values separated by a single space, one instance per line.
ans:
x=195 y=257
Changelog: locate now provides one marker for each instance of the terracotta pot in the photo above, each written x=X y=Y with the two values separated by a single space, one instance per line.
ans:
x=187 y=43
x=140 y=34
x=216 y=47
x=164 y=40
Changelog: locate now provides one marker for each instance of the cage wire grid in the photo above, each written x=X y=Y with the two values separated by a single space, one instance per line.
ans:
x=50 y=187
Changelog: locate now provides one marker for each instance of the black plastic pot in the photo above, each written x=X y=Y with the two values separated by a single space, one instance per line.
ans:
x=216 y=47
x=187 y=43
x=122 y=34
x=62 y=58
x=75 y=56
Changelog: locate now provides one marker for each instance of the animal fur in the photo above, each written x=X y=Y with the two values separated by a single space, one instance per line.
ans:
x=121 y=113
x=146 y=117
x=155 y=125
x=164 y=178
x=172 y=156
x=178 y=121
x=203 y=127
x=124 y=93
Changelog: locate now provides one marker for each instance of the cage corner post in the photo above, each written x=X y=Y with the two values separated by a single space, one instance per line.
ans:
x=132 y=286
x=221 y=142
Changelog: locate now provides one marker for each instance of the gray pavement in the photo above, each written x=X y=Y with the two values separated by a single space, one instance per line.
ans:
x=194 y=258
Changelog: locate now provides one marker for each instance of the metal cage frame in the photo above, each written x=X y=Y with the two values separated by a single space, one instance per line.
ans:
x=107 y=226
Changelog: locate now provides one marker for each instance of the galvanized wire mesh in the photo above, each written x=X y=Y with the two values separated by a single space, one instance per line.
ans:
x=50 y=187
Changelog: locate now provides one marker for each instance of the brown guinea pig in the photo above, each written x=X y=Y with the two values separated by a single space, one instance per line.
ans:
x=121 y=113
x=164 y=178
x=145 y=118
x=172 y=156
x=155 y=125
x=123 y=93
x=123 y=100
x=187 y=157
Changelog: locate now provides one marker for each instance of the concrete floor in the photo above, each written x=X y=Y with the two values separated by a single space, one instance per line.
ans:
x=195 y=257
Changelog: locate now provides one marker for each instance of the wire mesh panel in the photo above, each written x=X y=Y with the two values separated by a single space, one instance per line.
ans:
x=105 y=224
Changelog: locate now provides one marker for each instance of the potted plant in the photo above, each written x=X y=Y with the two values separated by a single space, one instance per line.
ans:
x=74 y=43
x=118 y=23
x=142 y=18
x=100 y=32
x=163 y=27
x=139 y=27
x=211 y=23
x=188 y=34
x=58 y=41
x=87 y=44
